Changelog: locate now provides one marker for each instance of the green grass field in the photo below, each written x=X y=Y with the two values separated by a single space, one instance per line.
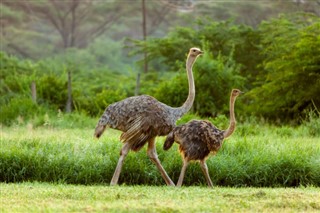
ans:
x=270 y=157
x=51 y=169
x=45 y=197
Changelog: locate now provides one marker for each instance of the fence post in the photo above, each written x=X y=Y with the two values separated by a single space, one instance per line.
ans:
x=34 y=91
x=69 y=101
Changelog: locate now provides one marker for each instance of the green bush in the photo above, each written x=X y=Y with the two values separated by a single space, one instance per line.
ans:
x=19 y=109
x=289 y=83
x=312 y=123
x=214 y=80
x=52 y=90
x=175 y=92
x=107 y=97
x=15 y=78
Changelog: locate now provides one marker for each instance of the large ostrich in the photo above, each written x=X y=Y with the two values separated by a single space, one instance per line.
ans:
x=142 y=118
x=198 y=138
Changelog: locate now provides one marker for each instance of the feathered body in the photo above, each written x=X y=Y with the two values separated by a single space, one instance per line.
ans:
x=198 y=138
x=142 y=118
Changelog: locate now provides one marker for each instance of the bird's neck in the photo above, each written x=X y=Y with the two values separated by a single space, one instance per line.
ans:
x=232 y=124
x=188 y=103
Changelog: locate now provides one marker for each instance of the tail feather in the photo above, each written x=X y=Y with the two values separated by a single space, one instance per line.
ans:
x=169 y=141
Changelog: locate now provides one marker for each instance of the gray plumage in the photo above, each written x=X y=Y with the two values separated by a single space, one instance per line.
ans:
x=198 y=138
x=142 y=118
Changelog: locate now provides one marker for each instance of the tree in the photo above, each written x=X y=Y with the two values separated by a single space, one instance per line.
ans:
x=77 y=22
x=74 y=22
x=154 y=22
x=290 y=84
x=220 y=38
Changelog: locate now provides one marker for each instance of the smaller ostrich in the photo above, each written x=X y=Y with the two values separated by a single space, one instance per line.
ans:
x=198 y=138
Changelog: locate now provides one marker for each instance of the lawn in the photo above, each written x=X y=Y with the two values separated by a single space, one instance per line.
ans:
x=46 y=197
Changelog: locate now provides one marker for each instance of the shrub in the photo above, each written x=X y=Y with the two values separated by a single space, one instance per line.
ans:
x=52 y=90
x=214 y=79
x=312 y=123
x=19 y=107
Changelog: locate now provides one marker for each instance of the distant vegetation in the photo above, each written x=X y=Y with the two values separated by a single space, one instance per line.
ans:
x=103 y=47
x=277 y=64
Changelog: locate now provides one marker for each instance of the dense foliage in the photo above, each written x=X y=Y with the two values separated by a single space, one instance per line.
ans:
x=290 y=83
x=43 y=28
x=277 y=64
x=50 y=77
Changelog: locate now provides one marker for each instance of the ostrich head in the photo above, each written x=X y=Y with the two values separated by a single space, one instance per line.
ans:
x=195 y=52
x=236 y=93
x=101 y=126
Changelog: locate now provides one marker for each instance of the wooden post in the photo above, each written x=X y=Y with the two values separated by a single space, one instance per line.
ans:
x=34 y=91
x=69 y=101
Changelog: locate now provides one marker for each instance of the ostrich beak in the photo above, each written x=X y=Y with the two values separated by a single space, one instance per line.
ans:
x=99 y=130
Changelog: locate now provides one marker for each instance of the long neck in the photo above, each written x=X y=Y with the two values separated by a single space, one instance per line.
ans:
x=188 y=103
x=232 y=124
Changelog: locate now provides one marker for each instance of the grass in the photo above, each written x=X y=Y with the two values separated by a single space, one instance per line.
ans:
x=52 y=168
x=45 y=197
x=269 y=157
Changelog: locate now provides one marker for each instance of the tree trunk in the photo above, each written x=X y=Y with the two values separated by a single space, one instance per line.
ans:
x=137 y=90
x=69 y=101
x=73 y=22
x=144 y=30
x=144 y=33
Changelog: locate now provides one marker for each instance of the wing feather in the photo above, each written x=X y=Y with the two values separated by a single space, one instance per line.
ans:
x=133 y=129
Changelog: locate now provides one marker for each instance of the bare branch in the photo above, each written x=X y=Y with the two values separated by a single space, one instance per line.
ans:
x=19 y=50
x=158 y=18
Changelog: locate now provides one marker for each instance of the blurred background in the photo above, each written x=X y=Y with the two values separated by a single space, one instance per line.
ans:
x=78 y=56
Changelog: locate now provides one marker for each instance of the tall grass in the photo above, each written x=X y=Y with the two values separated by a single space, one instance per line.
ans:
x=254 y=156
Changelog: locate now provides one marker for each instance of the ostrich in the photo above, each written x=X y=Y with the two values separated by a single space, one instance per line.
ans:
x=142 y=118
x=197 y=139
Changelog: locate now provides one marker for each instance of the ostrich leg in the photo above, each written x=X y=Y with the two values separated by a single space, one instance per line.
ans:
x=123 y=153
x=152 y=153
x=205 y=171
x=183 y=171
